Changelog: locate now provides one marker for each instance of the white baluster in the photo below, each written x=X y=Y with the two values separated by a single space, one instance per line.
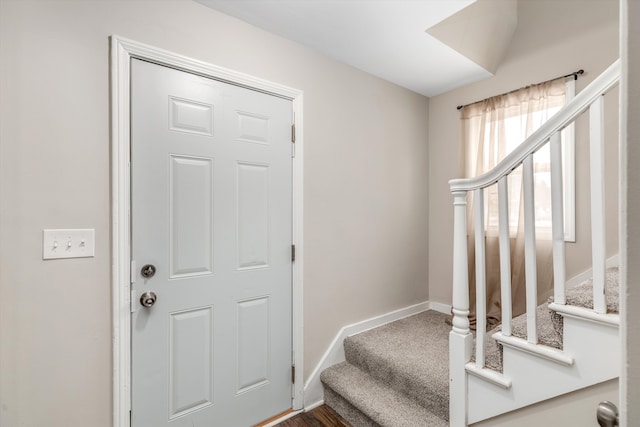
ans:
x=598 y=239
x=505 y=255
x=557 y=219
x=531 y=277
x=481 y=286
x=460 y=338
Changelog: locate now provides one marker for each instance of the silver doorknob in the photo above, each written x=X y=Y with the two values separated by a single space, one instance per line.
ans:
x=607 y=414
x=147 y=299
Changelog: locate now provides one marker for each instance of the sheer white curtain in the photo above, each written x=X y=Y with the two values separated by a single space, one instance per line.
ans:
x=491 y=130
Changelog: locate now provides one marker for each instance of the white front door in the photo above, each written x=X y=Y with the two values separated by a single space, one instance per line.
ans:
x=211 y=174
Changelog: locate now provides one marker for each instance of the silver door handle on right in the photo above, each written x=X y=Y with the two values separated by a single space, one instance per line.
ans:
x=147 y=299
x=607 y=414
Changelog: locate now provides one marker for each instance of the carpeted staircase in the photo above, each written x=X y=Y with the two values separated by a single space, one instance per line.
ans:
x=397 y=375
x=385 y=380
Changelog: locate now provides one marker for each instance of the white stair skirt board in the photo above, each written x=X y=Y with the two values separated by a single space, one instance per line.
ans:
x=612 y=319
x=596 y=350
x=313 y=391
x=538 y=350
x=494 y=377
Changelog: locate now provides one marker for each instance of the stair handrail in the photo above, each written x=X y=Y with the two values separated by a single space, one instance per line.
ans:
x=579 y=104
x=460 y=338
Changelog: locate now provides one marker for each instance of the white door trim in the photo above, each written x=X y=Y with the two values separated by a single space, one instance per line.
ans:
x=122 y=51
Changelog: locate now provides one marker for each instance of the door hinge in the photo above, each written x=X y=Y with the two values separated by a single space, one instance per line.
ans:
x=293 y=133
x=293 y=253
x=293 y=374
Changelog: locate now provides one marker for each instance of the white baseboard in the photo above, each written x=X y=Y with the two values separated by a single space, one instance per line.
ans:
x=314 y=405
x=613 y=261
x=439 y=307
x=313 y=393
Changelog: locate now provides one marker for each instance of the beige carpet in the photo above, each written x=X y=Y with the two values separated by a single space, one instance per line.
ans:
x=395 y=376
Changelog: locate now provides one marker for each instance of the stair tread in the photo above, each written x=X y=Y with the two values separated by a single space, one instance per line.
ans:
x=379 y=402
x=410 y=355
x=582 y=295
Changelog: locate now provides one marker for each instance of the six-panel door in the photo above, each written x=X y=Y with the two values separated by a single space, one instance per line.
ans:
x=211 y=211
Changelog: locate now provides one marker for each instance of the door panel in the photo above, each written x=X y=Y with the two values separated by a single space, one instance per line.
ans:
x=253 y=216
x=191 y=217
x=190 y=361
x=253 y=343
x=211 y=210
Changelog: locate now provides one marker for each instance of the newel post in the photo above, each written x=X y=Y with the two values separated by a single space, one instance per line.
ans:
x=460 y=338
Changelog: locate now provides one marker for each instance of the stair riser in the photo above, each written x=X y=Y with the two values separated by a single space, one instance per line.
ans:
x=346 y=409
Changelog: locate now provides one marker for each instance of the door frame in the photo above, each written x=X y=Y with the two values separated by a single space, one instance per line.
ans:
x=122 y=51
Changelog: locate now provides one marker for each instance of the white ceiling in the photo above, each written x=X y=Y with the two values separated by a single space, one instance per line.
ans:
x=386 y=38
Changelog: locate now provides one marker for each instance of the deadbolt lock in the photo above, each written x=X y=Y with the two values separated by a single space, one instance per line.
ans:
x=148 y=271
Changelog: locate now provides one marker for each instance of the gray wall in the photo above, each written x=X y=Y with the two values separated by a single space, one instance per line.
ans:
x=365 y=195
x=553 y=38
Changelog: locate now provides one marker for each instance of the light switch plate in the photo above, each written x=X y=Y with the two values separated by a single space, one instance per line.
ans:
x=68 y=243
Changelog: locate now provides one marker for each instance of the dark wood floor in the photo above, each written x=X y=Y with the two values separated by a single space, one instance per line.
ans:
x=322 y=416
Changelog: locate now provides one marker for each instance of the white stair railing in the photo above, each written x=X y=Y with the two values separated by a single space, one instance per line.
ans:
x=596 y=154
x=461 y=339
x=557 y=219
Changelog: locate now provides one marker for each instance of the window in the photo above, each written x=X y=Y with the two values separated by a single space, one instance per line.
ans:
x=492 y=129
x=495 y=127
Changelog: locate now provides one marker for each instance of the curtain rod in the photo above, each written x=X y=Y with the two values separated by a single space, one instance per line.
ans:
x=575 y=75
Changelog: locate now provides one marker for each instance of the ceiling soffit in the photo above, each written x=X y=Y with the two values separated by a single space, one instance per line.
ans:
x=482 y=31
